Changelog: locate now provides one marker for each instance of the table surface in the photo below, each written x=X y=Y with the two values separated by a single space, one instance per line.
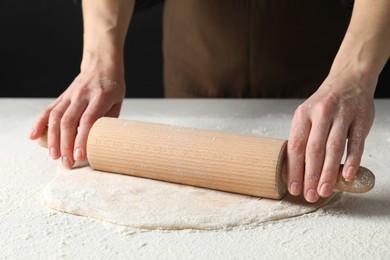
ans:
x=358 y=227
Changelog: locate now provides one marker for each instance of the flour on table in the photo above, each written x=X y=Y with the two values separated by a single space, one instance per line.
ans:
x=150 y=204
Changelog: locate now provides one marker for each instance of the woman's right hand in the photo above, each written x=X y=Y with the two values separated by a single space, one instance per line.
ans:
x=98 y=90
x=95 y=92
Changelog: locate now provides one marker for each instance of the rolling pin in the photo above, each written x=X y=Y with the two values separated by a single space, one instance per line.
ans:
x=244 y=164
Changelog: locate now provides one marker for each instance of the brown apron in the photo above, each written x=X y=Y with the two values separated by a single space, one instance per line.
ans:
x=249 y=48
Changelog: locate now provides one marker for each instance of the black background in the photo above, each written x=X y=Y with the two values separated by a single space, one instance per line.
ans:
x=41 y=45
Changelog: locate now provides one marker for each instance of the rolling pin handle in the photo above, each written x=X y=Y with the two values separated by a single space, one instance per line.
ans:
x=363 y=182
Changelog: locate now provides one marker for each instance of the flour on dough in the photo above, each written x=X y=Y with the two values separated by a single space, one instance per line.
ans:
x=149 y=204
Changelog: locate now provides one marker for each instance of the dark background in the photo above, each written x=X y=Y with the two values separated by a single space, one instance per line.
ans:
x=41 y=45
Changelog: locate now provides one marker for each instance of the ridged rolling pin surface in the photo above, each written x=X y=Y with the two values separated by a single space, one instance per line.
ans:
x=243 y=164
x=250 y=165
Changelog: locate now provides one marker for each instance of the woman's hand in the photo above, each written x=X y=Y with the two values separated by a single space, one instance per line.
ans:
x=340 y=113
x=98 y=90
x=93 y=94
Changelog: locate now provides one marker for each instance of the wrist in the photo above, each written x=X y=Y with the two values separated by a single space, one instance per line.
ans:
x=357 y=65
x=110 y=65
x=105 y=45
x=363 y=54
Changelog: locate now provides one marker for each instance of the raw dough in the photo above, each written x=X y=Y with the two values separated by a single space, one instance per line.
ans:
x=149 y=204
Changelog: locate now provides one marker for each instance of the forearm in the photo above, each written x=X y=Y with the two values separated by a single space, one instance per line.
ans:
x=105 y=27
x=341 y=112
x=366 y=45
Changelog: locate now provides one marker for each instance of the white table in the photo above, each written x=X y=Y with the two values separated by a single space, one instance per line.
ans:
x=356 y=228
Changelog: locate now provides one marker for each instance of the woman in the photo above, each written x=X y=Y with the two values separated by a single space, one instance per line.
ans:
x=231 y=49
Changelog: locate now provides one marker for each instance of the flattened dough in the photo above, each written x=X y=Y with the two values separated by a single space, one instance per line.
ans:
x=149 y=204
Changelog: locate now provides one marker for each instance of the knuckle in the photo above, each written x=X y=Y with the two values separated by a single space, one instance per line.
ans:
x=99 y=91
x=312 y=178
x=100 y=95
x=325 y=108
x=344 y=110
x=356 y=137
x=66 y=146
x=323 y=111
x=355 y=145
x=294 y=145
x=300 y=112
x=66 y=149
x=335 y=145
x=55 y=114
x=68 y=121
x=46 y=112
x=330 y=101
x=79 y=94
x=80 y=142
x=314 y=147
x=329 y=174
x=354 y=159
x=88 y=119
x=295 y=174
x=53 y=140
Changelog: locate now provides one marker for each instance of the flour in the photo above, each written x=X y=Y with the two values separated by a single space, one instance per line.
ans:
x=150 y=204
x=356 y=227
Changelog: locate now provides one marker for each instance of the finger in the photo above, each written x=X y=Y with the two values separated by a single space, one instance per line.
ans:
x=40 y=125
x=334 y=152
x=296 y=146
x=314 y=157
x=53 y=133
x=43 y=120
x=355 y=148
x=89 y=117
x=69 y=123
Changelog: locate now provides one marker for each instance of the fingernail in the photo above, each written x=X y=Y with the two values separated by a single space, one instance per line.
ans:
x=294 y=188
x=311 y=195
x=350 y=173
x=53 y=152
x=66 y=162
x=78 y=154
x=325 y=190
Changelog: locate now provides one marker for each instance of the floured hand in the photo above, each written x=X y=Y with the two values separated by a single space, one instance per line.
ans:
x=340 y=110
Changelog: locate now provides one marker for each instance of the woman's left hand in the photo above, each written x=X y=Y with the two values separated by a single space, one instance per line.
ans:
x=340 y=113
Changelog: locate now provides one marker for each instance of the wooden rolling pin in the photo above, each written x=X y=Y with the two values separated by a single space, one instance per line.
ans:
x=249 y=165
